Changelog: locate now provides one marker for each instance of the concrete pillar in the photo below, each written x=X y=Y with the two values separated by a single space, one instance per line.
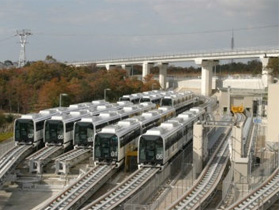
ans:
x=127 y=69
x=109 y=66
x=146 y=68
x=162 y=74
x=266 y=72
x=206 y=75
x=200 y=143
x=241 y=164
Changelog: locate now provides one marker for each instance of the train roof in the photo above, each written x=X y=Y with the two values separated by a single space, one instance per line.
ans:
x=72 y=116
x=98 y=102
x=124 y=103
x=165 y=128
x=104 y=116
x=36 y=117
x=166 y=109
x=121 y=127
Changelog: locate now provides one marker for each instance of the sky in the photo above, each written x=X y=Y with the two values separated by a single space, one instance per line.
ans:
x=85 y=30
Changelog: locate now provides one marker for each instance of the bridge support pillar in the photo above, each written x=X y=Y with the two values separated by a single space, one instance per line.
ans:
x=206 y=75
x=163 y=74
x=241 y=164
x=266 y=72
x=146 y=68
x=200 y=143
x=109 y=67
x=127 y=69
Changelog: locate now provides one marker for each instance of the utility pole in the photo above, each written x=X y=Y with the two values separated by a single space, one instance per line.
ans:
x=23 y=34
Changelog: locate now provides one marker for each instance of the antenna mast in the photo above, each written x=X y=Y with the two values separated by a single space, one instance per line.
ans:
x=23 y=34
x=232 y=42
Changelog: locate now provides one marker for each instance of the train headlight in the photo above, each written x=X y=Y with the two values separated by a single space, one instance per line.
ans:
x=60 y=137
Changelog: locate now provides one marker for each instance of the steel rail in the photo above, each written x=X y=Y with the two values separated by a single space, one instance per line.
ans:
x=11 y=158
x=259 y=196
x=70 y=198
x=124 y=190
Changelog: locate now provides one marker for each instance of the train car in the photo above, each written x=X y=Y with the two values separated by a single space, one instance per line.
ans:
x=154 y=98
x=29 y=128
x=134 y=98
x=58 y=130
x=147 y=106
x=126 y=133
x=111 y=143
x=85 y=130
x=158 y=145
x=180 y=101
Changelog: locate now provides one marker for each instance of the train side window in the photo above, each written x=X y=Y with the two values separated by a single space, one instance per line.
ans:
x=39 y=126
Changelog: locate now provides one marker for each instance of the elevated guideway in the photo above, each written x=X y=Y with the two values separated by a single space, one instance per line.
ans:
x=64 y=162
x=262 y=197
x=124 y=190
x=215 y=55
x=80 y=191
x=40 y=158
x=197 y=196
x=10 y=160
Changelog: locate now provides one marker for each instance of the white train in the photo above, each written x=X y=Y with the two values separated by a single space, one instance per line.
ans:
x=112 y=142
x=158 y=145
x=180 y=101
x=134 y=98
x=154 y=98
x=84 y=130
x=59 y=129
x=29 y=128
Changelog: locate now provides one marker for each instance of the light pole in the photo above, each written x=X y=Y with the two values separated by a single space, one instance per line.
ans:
x=105 y=93
x=60 y=97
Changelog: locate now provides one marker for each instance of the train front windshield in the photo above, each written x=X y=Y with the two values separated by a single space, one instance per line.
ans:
x=151 y=150
x=124 y=99
x=24 y=131
x=83 y=134
x=106 y=147
x=54 y=132
x=145 y=100
x=166 y=102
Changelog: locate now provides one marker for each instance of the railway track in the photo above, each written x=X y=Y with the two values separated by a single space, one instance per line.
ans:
x=206 y=183
x=262 y=197
x=40 y=158
x=78 y=192
x=11 y=159
x=65 y=161
x=209 y=178
x=124 y=190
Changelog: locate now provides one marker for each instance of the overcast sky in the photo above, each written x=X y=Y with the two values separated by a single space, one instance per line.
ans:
x=80 y=30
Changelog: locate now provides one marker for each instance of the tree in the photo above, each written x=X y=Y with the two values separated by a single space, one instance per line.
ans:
x=274 y=64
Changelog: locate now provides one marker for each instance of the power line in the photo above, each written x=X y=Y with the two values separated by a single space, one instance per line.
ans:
x=7 y=38
x=159 y=34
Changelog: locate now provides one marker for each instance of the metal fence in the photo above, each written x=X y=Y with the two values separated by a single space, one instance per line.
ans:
x=166 y=186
